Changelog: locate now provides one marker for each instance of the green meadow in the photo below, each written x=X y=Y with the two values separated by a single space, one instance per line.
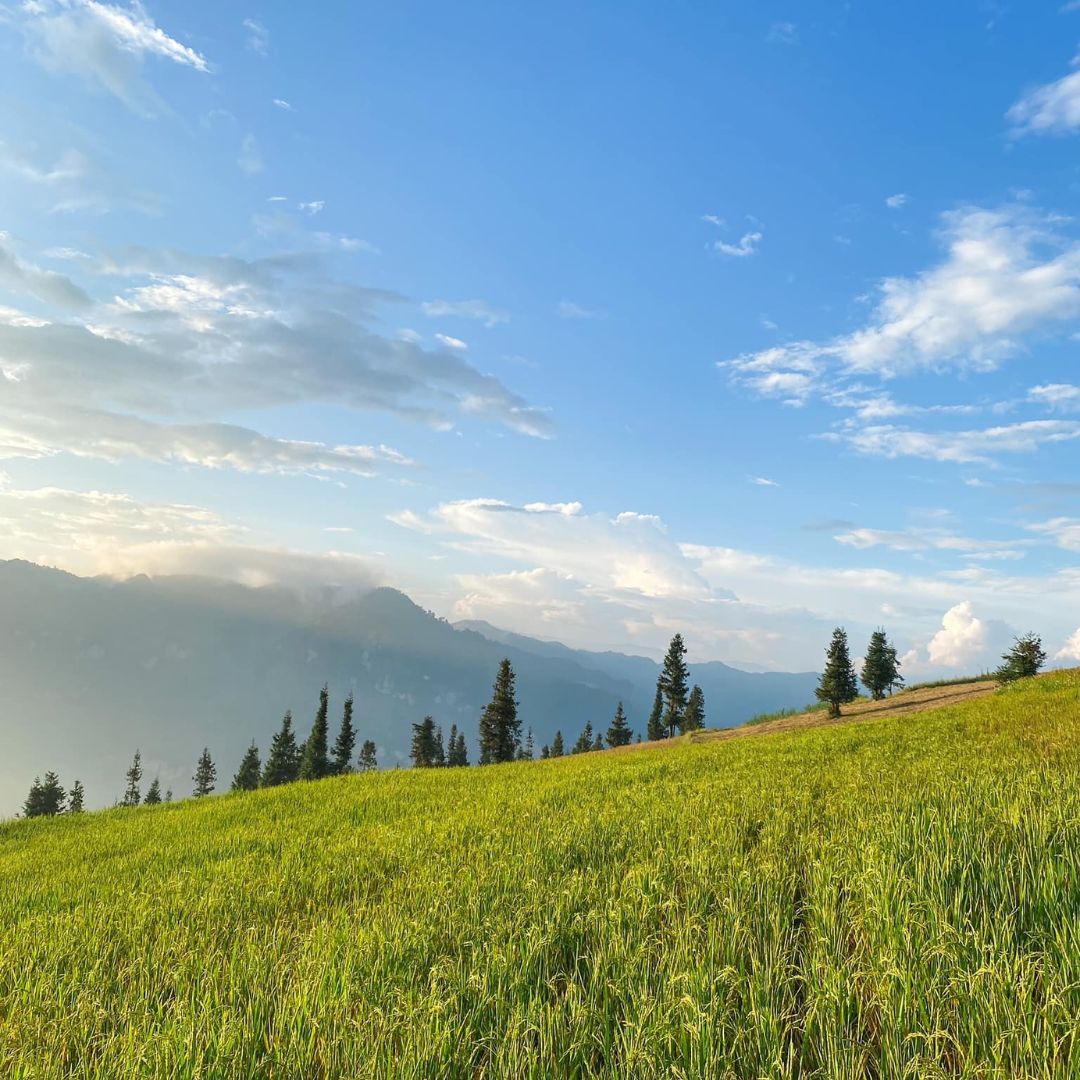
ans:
x=889 y=897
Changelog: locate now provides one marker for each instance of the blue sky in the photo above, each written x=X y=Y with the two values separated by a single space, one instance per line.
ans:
x=596 y=321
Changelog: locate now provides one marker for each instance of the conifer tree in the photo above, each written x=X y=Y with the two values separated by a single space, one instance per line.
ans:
x=881 y=669
x=618 y=732
x=838 y=685
x=1023 y=660
x=655 y=727
x=673 y=679
x=526 y=752
x=205 y=775
x=545 y=752
x=247 y=776
x=75 y=798
x=694 y=718
x=132 y=796
x=462 y=755
x=367 y=762
x=46 y=797
x=314 y=764
x=345 y=742
x=439 y=749
x=455 y=749
x=500 y=728
x=585 y=740
x=153 y=793
x=168 y=794
x=598 y=742
x=283 y=762
x=557 y=749
x=425 y=749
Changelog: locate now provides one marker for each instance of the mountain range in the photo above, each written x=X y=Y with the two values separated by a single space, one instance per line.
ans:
x=92 y=669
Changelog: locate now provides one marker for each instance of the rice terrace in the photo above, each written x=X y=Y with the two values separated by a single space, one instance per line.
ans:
x=897 y=894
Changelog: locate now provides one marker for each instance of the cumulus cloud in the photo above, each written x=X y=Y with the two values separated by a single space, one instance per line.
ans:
x=106 y=45
x=1071 y=649
x=1006 y=274
x=961 y=639
x=1050 y=109
x=747 y=245
x=895 y=202
x=480 y=310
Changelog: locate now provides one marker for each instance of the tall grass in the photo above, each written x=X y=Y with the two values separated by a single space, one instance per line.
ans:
x=899 y=898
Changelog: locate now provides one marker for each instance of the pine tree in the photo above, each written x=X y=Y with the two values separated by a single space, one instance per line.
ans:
x=545 y=752
x=439 y=749
x=1023 y=660
x=345 y=742
x=598 y=742
x=134 y=776
x=46 y=797
x=315 y=765
x=424 y=751
x=881 y=669
x=500 y=728
x=461 y=756
x=838 y=685
x=283 y=763
x=527 y=751
x=168 y=794
x=694 y=718
x=205 y=775
x=367 y=762
x=585 y=740
x=153 y=793
x=75 y=798
x=672 y=684
x=247 y=776
x=618 y=732
x=557 y=745
x=655 y=728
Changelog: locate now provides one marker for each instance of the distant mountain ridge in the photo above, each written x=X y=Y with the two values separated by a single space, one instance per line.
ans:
x=93 y=668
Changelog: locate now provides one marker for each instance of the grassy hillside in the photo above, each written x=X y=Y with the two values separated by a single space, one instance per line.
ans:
x=896 y=896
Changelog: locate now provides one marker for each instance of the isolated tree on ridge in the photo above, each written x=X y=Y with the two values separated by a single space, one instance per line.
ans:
x=247 y=776
x=500 y=728
x=75 y=798
x=315 y=765
x=1023 y=660
x=366 y=761
x=283 y=763
x=694 y=718
x=655 y=728
x=838 y=685
x=618 y=732
x=205 y=775
x=557 y=749
x=346 y=741
x=46 y=797
x=881 y=669
x=134 y=776
x=585 y=740
x=673 y=679
x=153 y=793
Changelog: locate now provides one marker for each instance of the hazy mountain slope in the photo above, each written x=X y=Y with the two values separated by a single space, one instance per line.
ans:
x=90 y=669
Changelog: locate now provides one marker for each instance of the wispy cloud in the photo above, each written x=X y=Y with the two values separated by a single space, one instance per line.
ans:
x=1050 y=109
x=105 y=45
x=281 y=103
x=479 y=310
x=747 y=245
x=250 y=158
x=567 y=309
x=764 y=481
x=258 y=39
x=895 y=202
x=786 y=33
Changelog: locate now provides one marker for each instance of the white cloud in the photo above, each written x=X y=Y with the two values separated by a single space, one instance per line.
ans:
x=961 y=639
x=258 y=37
x=250 y=158
x=281 y=103
x=962 y=447
x=763 y=481
x=105 y=45
x=314 y=207
x=783 y=32
x=747 y=245
x=895 y=202
x=45 y=285
x=1006 y=274
x=567 y=309
x=914 y=540
x=1059 y=396
x=1050 y=109
x=1071 y=649
x=451 y=342
x=480 y=310
x=1063 y=531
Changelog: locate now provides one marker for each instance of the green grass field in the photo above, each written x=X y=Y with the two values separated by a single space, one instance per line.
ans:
x=887 y=898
